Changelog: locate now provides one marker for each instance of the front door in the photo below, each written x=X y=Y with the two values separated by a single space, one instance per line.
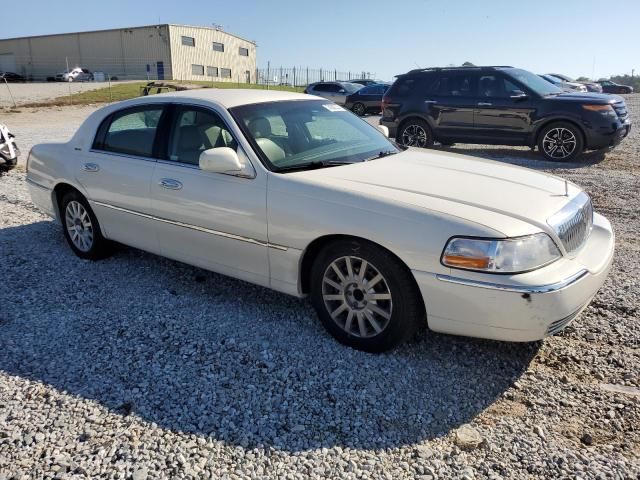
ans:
x=503 y=114
x=160 y=70
x=212 y=220
x=116 y=172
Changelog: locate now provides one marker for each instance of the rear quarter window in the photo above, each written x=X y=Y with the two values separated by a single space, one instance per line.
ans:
x=130 y=131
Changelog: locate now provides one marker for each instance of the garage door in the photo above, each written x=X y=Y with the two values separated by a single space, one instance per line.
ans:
x=7 y=62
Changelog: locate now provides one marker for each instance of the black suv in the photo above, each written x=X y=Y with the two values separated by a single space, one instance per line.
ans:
x=500 y=106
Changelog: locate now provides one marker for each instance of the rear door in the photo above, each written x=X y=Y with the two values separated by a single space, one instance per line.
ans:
x=116 y=173
x=502 y=114
x=452 y=101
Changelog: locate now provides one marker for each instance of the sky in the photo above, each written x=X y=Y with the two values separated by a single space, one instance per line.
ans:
x=573 y=37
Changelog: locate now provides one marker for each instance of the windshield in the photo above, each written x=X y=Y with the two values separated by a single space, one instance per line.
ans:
x=534 y=82
x=302 y=134
x=352 y=87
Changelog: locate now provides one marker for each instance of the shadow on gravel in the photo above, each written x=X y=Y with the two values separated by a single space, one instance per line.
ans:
x=197 y=352
x=528 y=158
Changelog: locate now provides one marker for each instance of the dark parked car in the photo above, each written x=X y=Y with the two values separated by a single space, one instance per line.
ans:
x=367 y=99
x=591 y=86
x=500 y=106
x=337 y=92
x=611 y=87
x=11 y=77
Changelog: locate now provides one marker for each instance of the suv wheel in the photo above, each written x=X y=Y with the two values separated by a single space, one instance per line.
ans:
x=364 y=297
x=415 y=133
x=560 y=141
x=358 y=109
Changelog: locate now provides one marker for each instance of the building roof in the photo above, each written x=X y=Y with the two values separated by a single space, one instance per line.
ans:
x=130 y=28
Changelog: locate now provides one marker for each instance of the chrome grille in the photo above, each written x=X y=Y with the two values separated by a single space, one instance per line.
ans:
x=573 y=222
x=621 y=110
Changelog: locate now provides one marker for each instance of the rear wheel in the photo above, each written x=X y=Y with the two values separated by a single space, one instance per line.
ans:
x=81 y=228
x=415 y=133
x=560 y=141
x=364 y=297
x=358 y=109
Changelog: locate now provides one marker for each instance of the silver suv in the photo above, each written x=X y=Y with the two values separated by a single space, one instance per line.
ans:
x=337 y=92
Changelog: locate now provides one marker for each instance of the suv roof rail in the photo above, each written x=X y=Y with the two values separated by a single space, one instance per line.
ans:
x=436 y=69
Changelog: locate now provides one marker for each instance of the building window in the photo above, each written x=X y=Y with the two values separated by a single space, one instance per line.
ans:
x=189 y=41
x=225 y=72
x=218 y=47
x=244 y=52
x=212 y=71
x=197 y=69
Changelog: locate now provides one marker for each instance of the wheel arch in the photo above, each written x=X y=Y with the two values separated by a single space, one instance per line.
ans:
x=547 y=122
x=310 y=254
x=416 y=116
x=58 y=192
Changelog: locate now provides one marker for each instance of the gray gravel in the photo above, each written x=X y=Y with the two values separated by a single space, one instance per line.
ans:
x=138 y=367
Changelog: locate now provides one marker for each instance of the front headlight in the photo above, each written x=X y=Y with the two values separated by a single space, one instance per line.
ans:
x=509 y=255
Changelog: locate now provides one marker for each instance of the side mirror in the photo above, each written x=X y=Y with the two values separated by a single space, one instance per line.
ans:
x=518 y=95
x=342 y=90
x=220 y=160
x=383 y=129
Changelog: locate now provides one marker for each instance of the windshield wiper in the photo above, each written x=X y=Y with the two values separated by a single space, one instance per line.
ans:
x=313 y=165
x=381 y=155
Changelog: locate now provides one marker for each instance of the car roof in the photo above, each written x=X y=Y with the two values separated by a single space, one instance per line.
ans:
x=228 y=97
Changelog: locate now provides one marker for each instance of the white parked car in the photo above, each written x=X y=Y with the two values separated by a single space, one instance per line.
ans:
x=75 y=75
x=294 y=193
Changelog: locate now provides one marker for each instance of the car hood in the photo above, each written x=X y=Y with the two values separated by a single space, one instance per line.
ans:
x=490 y=193
x=586 y=97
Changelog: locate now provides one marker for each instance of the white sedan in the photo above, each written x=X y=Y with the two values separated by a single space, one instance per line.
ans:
x=294 y=193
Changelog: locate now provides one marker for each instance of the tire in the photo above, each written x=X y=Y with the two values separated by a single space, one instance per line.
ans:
x=570 y=145
x=359 y=109
x=415 y=133
x=362 y=322
x=447 y=144
x=81 y=228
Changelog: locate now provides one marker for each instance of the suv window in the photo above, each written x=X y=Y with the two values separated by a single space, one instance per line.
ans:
x=454 y=85
x=131 y=131
x=407 y=86
x=495 y=86
x=194 y=131
x=333 y=88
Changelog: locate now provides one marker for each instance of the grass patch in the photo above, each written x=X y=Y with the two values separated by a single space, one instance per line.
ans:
x=125 y=91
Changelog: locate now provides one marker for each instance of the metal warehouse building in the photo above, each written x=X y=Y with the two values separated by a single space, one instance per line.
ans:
x=164 y=52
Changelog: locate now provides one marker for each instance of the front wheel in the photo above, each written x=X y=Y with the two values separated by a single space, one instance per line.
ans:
x=358 y=109
x=415 y=133
x=81 y=228
x=364 y=297
x=560 y=141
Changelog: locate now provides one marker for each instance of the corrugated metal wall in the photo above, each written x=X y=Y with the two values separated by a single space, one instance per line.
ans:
x=133 y=53
x=203 y=54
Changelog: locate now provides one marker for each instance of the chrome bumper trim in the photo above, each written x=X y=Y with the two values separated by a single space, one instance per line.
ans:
x=551 y=287
x=195 y=227
x=35 y=184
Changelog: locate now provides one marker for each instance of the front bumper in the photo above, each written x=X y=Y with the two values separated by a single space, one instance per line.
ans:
x=608 y=135
x=519 y=308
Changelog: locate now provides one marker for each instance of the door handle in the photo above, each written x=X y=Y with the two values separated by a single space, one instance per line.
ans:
x=90 y=167
x=484 y=104
x=170 y=183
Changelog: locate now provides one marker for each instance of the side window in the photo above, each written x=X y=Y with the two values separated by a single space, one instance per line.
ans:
x=333 y=88
x=454 y=86
x=367 y=91
x=320 y=87
x=130 y=131
x=493 y=86
x=194 y=131
x=406 y=87
x=509 y=87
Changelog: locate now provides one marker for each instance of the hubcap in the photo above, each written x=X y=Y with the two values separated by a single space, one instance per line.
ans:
x=358 y=109
x=357 y=297
x=559 y=143
x=414 y=136
x=79 y=226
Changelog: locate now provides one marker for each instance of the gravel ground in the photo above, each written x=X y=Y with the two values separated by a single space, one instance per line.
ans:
x=38 y=92
x=139 y=367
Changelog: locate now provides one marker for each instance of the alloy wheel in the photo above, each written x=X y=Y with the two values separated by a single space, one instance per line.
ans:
x=357 y=296
x=414 y=136
x=79 y=226
x=559 y=143
x=358 y=109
